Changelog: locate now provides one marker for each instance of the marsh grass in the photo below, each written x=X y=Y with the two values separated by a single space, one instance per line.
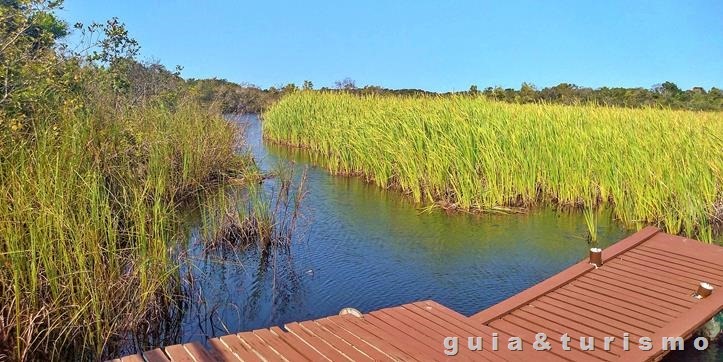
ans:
x=89 y=220
x=651 y=166
x=264 y=214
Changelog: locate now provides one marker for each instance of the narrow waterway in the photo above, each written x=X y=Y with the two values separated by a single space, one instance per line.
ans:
x=363 y=247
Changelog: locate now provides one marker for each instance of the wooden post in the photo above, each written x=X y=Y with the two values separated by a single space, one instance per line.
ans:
x=596 y=257
x=704 y=290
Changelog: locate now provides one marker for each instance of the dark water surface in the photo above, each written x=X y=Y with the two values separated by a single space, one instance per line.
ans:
x=366 y=248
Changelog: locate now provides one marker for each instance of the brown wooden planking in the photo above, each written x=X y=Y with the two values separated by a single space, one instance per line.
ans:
x=683 y=280
x=514 y=322
x=672 y=254
x=687 y=247
x=626 y=291
x=435 y=317
x=528 y=337
x=618 y=314
x=630 y=310
x=340 y=344
x=681 y=327
x=224 y=352
x=299 y=345
x=426 y=330
x=557 y=329
x=362 y=341
x=155 y=355
x=260 y=348
x=178 y=353
x=241 y=349
x=673 y=279
x=132 y=358
x=626 y=295
x=563 y=314
x=592 y=319
x=341 y=336
x=663 y=284
x=437 y=312
x=573 y=324
x=316 y=343
x=197 y=351
x=644 y=288
x=281 y=347
x=380 y=343
x=682 y=261
x=657 y=297
x=396 y=343
x=672 y=268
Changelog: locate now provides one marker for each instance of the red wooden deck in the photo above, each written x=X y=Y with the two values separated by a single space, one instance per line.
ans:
x=644 y=288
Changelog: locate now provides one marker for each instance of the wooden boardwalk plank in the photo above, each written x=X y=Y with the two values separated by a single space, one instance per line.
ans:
x=434 y=334
x=436 y=320
x=528 y=337
x=340 y=344
x=672 y=268
x=618 y=314
x=155 y=355
x=316 y=343
x=297 y=344
x=633 y=311
x=679 y=261
x=384 y=346
x=360 y=341
x=255 y=344
x=660 y=297
x=573 y=330
x=178 y=353
x=197 y=351
x=401 y=336
x=132 y=358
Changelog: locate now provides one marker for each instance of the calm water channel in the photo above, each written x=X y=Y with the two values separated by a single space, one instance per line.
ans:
x=362 y=247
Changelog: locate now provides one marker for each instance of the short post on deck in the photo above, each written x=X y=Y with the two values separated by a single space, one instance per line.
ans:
x=596 y=257
x=704 y=290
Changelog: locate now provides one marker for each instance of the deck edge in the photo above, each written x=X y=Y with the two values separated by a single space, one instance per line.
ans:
x=562 y=278
x=679 y=327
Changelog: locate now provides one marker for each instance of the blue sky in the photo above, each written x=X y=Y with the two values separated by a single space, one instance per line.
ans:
x=428 y=44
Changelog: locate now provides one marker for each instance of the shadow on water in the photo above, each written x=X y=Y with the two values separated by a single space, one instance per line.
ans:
x=363 y=247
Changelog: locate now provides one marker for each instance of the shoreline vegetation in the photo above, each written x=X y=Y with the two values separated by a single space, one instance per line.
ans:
x=101 y=157
x=649 y=165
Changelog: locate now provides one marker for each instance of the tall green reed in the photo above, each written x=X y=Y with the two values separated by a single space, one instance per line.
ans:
x=652 y=166
x=89 y=221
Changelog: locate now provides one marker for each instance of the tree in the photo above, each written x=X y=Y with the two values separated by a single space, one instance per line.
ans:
x=528 y=92
x=31 y=73
x=345 y=84
x=473 y=90
x=290 y=88
x=307 y=85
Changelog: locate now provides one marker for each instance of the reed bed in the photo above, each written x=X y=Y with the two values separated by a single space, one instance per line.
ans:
x=89 y=225
x=651 y=166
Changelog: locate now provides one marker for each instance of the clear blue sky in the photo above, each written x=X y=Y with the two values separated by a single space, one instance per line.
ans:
x=428 y=44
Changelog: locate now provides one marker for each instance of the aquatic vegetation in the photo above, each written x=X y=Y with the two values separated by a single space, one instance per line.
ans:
x=651 y=165
x=262 y=214
x=89 y=221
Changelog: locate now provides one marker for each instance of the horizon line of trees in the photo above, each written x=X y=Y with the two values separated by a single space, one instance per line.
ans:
x=243 y=98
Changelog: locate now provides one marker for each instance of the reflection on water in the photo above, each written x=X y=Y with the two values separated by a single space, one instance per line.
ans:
x=362 y=247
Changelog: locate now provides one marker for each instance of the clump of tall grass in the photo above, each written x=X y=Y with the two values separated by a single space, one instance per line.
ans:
x=652 y=165
x=261 y=214
x=89 y=220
